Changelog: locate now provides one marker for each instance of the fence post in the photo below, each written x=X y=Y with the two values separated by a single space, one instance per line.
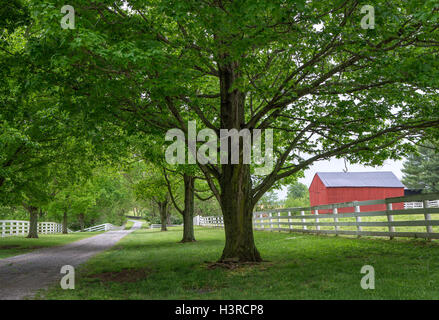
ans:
x=3 y=229
x=302 y=213
x=427 y=219
x=316 y=212
x=390 y=219
x=278 y=221
x=290 y=226
x=270 y=215
x=336 y=228
x=358 y=220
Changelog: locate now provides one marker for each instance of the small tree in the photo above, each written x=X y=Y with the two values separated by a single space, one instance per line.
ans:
x=153 y=187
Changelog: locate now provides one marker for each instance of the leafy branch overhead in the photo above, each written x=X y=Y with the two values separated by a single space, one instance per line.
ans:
x=306 y=69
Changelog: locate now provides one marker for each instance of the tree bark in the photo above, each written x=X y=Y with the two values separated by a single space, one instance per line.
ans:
x=188 y=212
x=64 y=222
x=235 y=180
x=163 y=214
x=33 y=222
x=81 y=221
x=237 y=209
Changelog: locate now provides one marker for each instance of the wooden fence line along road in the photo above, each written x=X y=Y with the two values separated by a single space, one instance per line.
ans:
x=18 y=227
x=101 y=227
x=418 y=221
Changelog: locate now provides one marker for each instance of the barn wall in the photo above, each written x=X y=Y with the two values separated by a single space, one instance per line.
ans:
x=318 y=193
x=367 y=193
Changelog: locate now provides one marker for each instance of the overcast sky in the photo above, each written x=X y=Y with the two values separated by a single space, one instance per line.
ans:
x=337 y=165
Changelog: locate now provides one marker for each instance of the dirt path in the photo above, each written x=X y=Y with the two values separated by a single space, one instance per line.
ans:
x=21 y=276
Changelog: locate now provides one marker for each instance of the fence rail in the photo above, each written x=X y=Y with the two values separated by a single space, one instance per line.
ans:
x=418 y=221
x=100 y=227
x=217 y=222
x=17 y=227
x=420 y=204
x=158 y=226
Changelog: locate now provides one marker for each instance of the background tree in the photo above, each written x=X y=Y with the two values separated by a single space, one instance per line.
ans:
x=297 y=196
x=269 y=200
x=193 y=189
x=153 y=187
x=421 y=169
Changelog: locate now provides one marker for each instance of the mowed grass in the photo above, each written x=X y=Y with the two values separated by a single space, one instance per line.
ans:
x=129 y=225
x=149 y=264
x=15 y=245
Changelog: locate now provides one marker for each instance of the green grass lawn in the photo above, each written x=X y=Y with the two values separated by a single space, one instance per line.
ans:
x=15 y=245
x=128 y=225
x=149 y=264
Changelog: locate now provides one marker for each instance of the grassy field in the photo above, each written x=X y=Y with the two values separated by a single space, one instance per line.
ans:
x=149 y=264
x=14 y=245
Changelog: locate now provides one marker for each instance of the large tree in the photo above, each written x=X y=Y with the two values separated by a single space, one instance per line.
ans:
x=306 y=69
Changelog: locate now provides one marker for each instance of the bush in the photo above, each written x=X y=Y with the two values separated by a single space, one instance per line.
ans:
x=173 y=219
x=176 y=219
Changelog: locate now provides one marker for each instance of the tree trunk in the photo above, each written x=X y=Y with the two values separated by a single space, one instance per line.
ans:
x=64 y=223
x=188 y=213
x=33 y=222
x=238 y=213
x=81 y=221
x=235 y=180
x=163 y=214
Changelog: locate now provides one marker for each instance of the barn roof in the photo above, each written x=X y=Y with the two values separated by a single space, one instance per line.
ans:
x=383 y=179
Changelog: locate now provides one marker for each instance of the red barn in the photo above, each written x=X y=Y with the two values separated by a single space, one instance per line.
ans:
x=334 y=187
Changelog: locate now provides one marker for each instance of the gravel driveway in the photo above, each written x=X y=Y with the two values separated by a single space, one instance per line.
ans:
x=21 y=276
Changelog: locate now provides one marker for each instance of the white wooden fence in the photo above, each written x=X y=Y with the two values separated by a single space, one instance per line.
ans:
x=158 y=226
x=217 y=222
x=420 y=204
x=417 y=222
x=100 y=227
x=17 y=227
